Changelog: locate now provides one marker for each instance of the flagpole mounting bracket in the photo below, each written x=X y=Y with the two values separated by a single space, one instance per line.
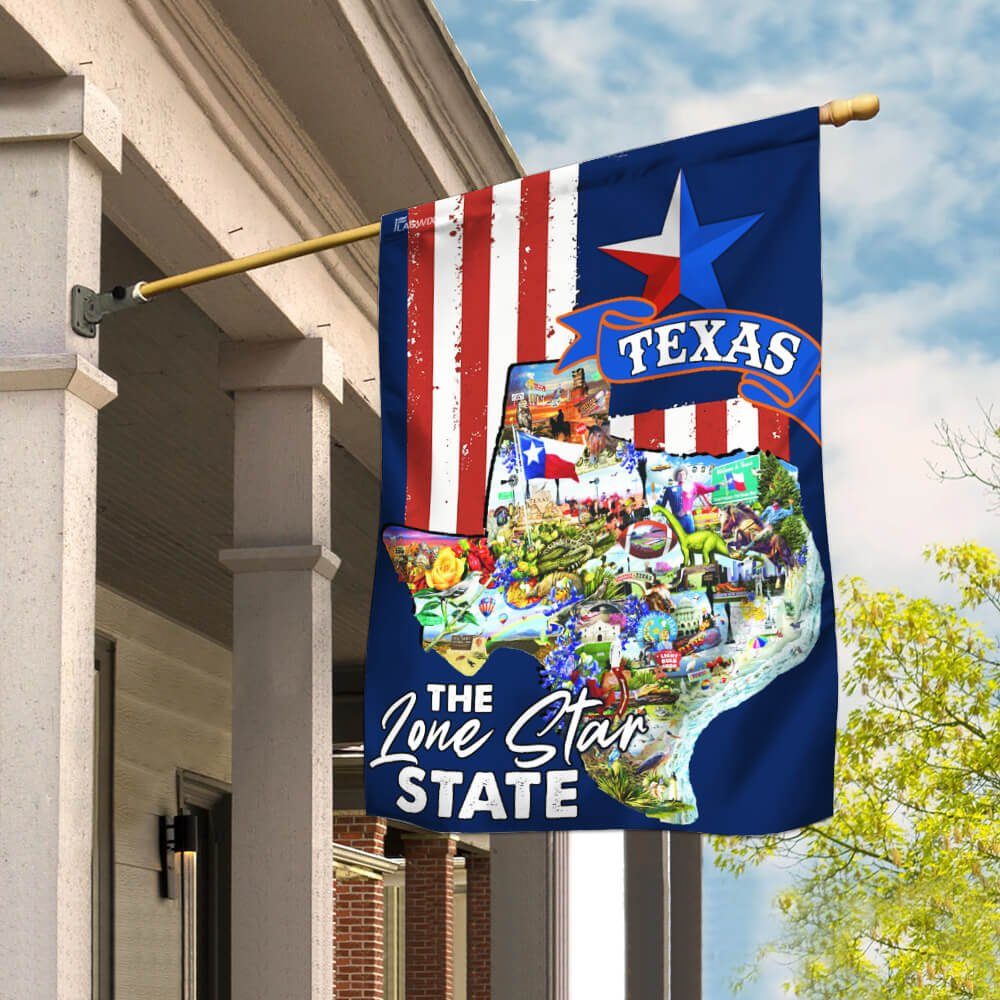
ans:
x=88 y=308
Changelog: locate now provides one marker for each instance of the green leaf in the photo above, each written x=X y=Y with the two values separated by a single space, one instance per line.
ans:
x=430 y=616
x=895 y=897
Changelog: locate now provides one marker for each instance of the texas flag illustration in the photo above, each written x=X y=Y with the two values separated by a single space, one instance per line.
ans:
x=735 y=481
x=541 y=463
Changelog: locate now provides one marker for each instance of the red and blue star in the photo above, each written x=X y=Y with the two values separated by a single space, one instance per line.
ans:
x=678 y=261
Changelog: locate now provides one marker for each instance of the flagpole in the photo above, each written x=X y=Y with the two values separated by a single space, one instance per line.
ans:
x=520 y=469
x=88 y=307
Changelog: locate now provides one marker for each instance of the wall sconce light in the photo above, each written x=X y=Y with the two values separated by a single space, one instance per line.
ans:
x=178 y=837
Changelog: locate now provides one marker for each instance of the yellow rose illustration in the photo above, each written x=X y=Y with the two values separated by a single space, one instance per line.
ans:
x=447 y=570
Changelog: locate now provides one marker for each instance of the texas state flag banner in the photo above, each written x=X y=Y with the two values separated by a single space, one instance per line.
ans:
x=602 y=594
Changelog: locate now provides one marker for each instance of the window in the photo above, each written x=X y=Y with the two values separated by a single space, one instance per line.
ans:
x=205 y=888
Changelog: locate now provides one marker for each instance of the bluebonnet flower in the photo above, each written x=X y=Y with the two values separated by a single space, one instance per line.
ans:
x=507 y=456
x=635 y=610
x=572 y=597
x=562 y=670
x=627 y=456
x=503 y=571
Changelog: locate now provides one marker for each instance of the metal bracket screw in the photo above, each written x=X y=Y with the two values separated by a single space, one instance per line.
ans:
x=88 y=308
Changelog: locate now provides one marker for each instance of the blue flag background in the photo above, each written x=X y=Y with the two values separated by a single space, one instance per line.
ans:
x=767 y=764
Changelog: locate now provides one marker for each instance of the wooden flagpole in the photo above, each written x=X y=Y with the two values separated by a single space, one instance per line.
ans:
x=91 y=307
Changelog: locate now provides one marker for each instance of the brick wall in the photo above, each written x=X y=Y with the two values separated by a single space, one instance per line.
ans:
x=430 y=912
x=477 y=901
x=359 y=906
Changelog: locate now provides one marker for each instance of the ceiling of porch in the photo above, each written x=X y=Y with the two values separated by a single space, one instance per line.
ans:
x=165 y=459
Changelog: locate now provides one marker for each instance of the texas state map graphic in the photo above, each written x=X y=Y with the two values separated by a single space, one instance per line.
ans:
x=674 y=587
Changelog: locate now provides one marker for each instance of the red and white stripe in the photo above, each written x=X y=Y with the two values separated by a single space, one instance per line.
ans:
x=707 y=428
x=488 y=272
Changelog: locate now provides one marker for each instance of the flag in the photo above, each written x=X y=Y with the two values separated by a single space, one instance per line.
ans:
x=542 y=464
x=567 y=361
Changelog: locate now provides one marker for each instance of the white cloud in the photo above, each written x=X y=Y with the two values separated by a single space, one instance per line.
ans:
x=885 y=384
x=573 y=81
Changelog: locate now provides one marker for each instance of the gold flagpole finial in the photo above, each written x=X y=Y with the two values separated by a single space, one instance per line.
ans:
x=855 y=109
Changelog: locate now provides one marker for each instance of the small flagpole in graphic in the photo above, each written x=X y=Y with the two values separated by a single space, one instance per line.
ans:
x=520 y=469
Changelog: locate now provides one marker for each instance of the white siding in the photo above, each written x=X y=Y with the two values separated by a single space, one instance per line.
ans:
x=173 y=711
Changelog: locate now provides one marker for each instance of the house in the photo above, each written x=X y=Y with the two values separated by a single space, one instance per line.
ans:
x=688 y=618
x=188 y=513
x=599 y=630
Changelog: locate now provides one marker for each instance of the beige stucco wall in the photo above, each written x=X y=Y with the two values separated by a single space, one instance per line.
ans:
x=172 y=711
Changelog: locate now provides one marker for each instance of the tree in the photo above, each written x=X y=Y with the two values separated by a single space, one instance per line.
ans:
x=898 y=895
x=975 y=453
x=775 y=482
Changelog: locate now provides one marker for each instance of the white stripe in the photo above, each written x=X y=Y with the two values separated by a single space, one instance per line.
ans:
x=504 y=265
x=678 y=430
x=562 y=260
x=741 y=425
x=447 y=382
x=623 y=427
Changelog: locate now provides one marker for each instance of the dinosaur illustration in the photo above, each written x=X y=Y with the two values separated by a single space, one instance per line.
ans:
x=703 y=542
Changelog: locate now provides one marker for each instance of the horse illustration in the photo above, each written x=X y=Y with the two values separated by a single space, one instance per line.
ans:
x=560 y=427
x=773 y=547
x=741 y=525
x=746 y=530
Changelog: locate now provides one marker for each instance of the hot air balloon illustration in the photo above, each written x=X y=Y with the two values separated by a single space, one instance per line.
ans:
x=486 y=606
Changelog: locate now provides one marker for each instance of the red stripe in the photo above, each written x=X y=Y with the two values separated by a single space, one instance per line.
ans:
x=420 y=363
x=533 y=271
x=649 y=430
x=772 y=432
x=710 y=433
x=474 y=361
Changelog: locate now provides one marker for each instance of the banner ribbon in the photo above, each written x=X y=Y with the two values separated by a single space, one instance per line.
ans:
x=779 y=362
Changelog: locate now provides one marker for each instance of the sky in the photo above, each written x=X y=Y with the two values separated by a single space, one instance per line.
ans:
x=910 y=263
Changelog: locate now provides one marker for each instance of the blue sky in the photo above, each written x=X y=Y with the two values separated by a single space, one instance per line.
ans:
x=910 y=219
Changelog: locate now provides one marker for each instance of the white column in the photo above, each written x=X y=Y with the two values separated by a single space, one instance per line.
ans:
x=282 y=915
x=662 y=915
x=57 y=137
x=529 y=909
x=685 y=914
x=647 y=915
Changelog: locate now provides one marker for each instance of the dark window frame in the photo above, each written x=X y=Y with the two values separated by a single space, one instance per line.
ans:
x=103 y=849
